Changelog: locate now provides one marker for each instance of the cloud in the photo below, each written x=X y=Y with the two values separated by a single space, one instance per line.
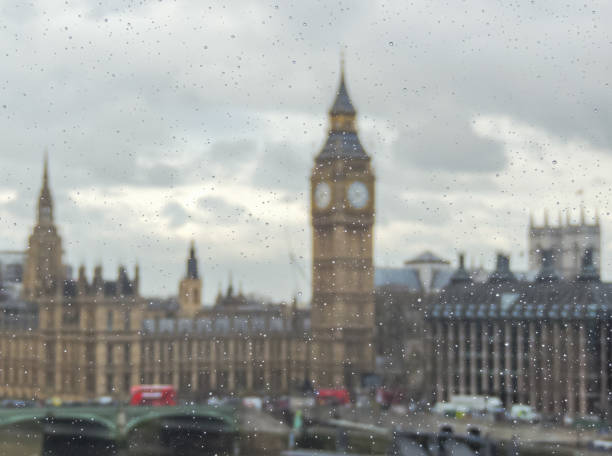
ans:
x=221 y=212
x=281 y=166
x=166 y=122
x=176 y=214
x=450 y=145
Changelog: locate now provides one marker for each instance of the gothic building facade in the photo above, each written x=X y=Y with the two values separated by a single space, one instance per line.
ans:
x=79 y=339
x=72 y=338
x=567 y=240
x=342 y=202
x=545 y=343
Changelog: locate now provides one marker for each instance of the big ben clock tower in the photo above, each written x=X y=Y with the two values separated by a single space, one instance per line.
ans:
x=342 y=204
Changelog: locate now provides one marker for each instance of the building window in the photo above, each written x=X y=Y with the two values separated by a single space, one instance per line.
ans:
x=126 y=354
x=127 y=320
x=110 y=388
x=90 y=382
x=109 y=320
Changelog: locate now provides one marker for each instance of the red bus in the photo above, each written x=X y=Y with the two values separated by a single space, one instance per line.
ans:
x=333 y=396
x=156 y=395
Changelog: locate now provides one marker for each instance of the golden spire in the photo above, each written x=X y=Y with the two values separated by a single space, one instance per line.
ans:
x=343 y=106
x=45 y=204
x=46 y=169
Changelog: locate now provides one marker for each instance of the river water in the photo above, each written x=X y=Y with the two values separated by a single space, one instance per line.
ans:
x=17 y=442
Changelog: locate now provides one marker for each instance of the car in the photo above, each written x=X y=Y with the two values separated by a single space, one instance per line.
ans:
x=54 y=401
x=104 y=400
x=16 y=403
x=252 y=402
x=523 y=413
x=216 y=401
x=601 y=445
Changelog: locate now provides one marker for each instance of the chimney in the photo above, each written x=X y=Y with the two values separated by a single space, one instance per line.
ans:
x=82 y=285
x=124 y=286
x=461 y=275
x=98 y=281
x=136 y=281
x=502 y=271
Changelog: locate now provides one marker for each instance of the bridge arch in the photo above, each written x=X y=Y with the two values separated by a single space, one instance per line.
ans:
x=45 y=417
x=188 y=431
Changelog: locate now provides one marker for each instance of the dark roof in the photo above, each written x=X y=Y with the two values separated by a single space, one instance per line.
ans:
x=441 y=278
x=342 y=104
x=342 y=144
x=560 y=299
x=502 y=271
x=192 y=263
x=461 y=275
x=163 y=304
x=427 y=257
x=405 y=278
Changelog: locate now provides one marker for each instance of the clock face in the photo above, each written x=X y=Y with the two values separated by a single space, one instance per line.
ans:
x=322 y=195
x=358 y=195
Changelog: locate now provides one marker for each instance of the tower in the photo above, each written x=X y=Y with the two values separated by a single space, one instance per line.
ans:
x=568 y=243
x=342 y=209
x=43 y=273
x=190 y=288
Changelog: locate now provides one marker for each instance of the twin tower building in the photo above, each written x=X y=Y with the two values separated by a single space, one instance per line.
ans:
x=336 y=349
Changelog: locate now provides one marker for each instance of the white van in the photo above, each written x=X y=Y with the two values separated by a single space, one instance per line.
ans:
x=604 y=445
x=524 y=413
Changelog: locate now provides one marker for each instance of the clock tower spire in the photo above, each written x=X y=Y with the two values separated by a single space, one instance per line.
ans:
x=43 y=273
x=342 y=205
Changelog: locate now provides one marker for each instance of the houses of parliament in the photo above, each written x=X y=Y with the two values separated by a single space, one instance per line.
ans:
x=88 y=337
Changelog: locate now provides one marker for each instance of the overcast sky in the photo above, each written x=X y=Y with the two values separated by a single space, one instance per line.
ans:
x=171 y=120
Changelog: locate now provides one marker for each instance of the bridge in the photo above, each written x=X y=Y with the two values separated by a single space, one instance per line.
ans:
x=111 y=430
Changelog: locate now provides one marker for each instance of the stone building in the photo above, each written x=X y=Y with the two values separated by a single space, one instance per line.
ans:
x=59 y=336
x=342 y=214
x=567 y=240
x=546 y=343
x=80 y=338
x=398 y=339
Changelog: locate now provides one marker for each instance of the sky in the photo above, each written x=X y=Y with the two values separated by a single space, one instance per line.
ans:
x=167 y=121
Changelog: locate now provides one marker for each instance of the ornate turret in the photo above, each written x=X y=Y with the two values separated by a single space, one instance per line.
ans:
x=45 y=203
x=43 y=271
x=230 y=287
x=219 y=298
x=82 y=285
x=190 y=288
x=192 y=263
x=125 y=286
x=98 y=281
x=342 y=113
x=502 y=271
x=136 y=281
x=342 y=140
x=461 y=276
